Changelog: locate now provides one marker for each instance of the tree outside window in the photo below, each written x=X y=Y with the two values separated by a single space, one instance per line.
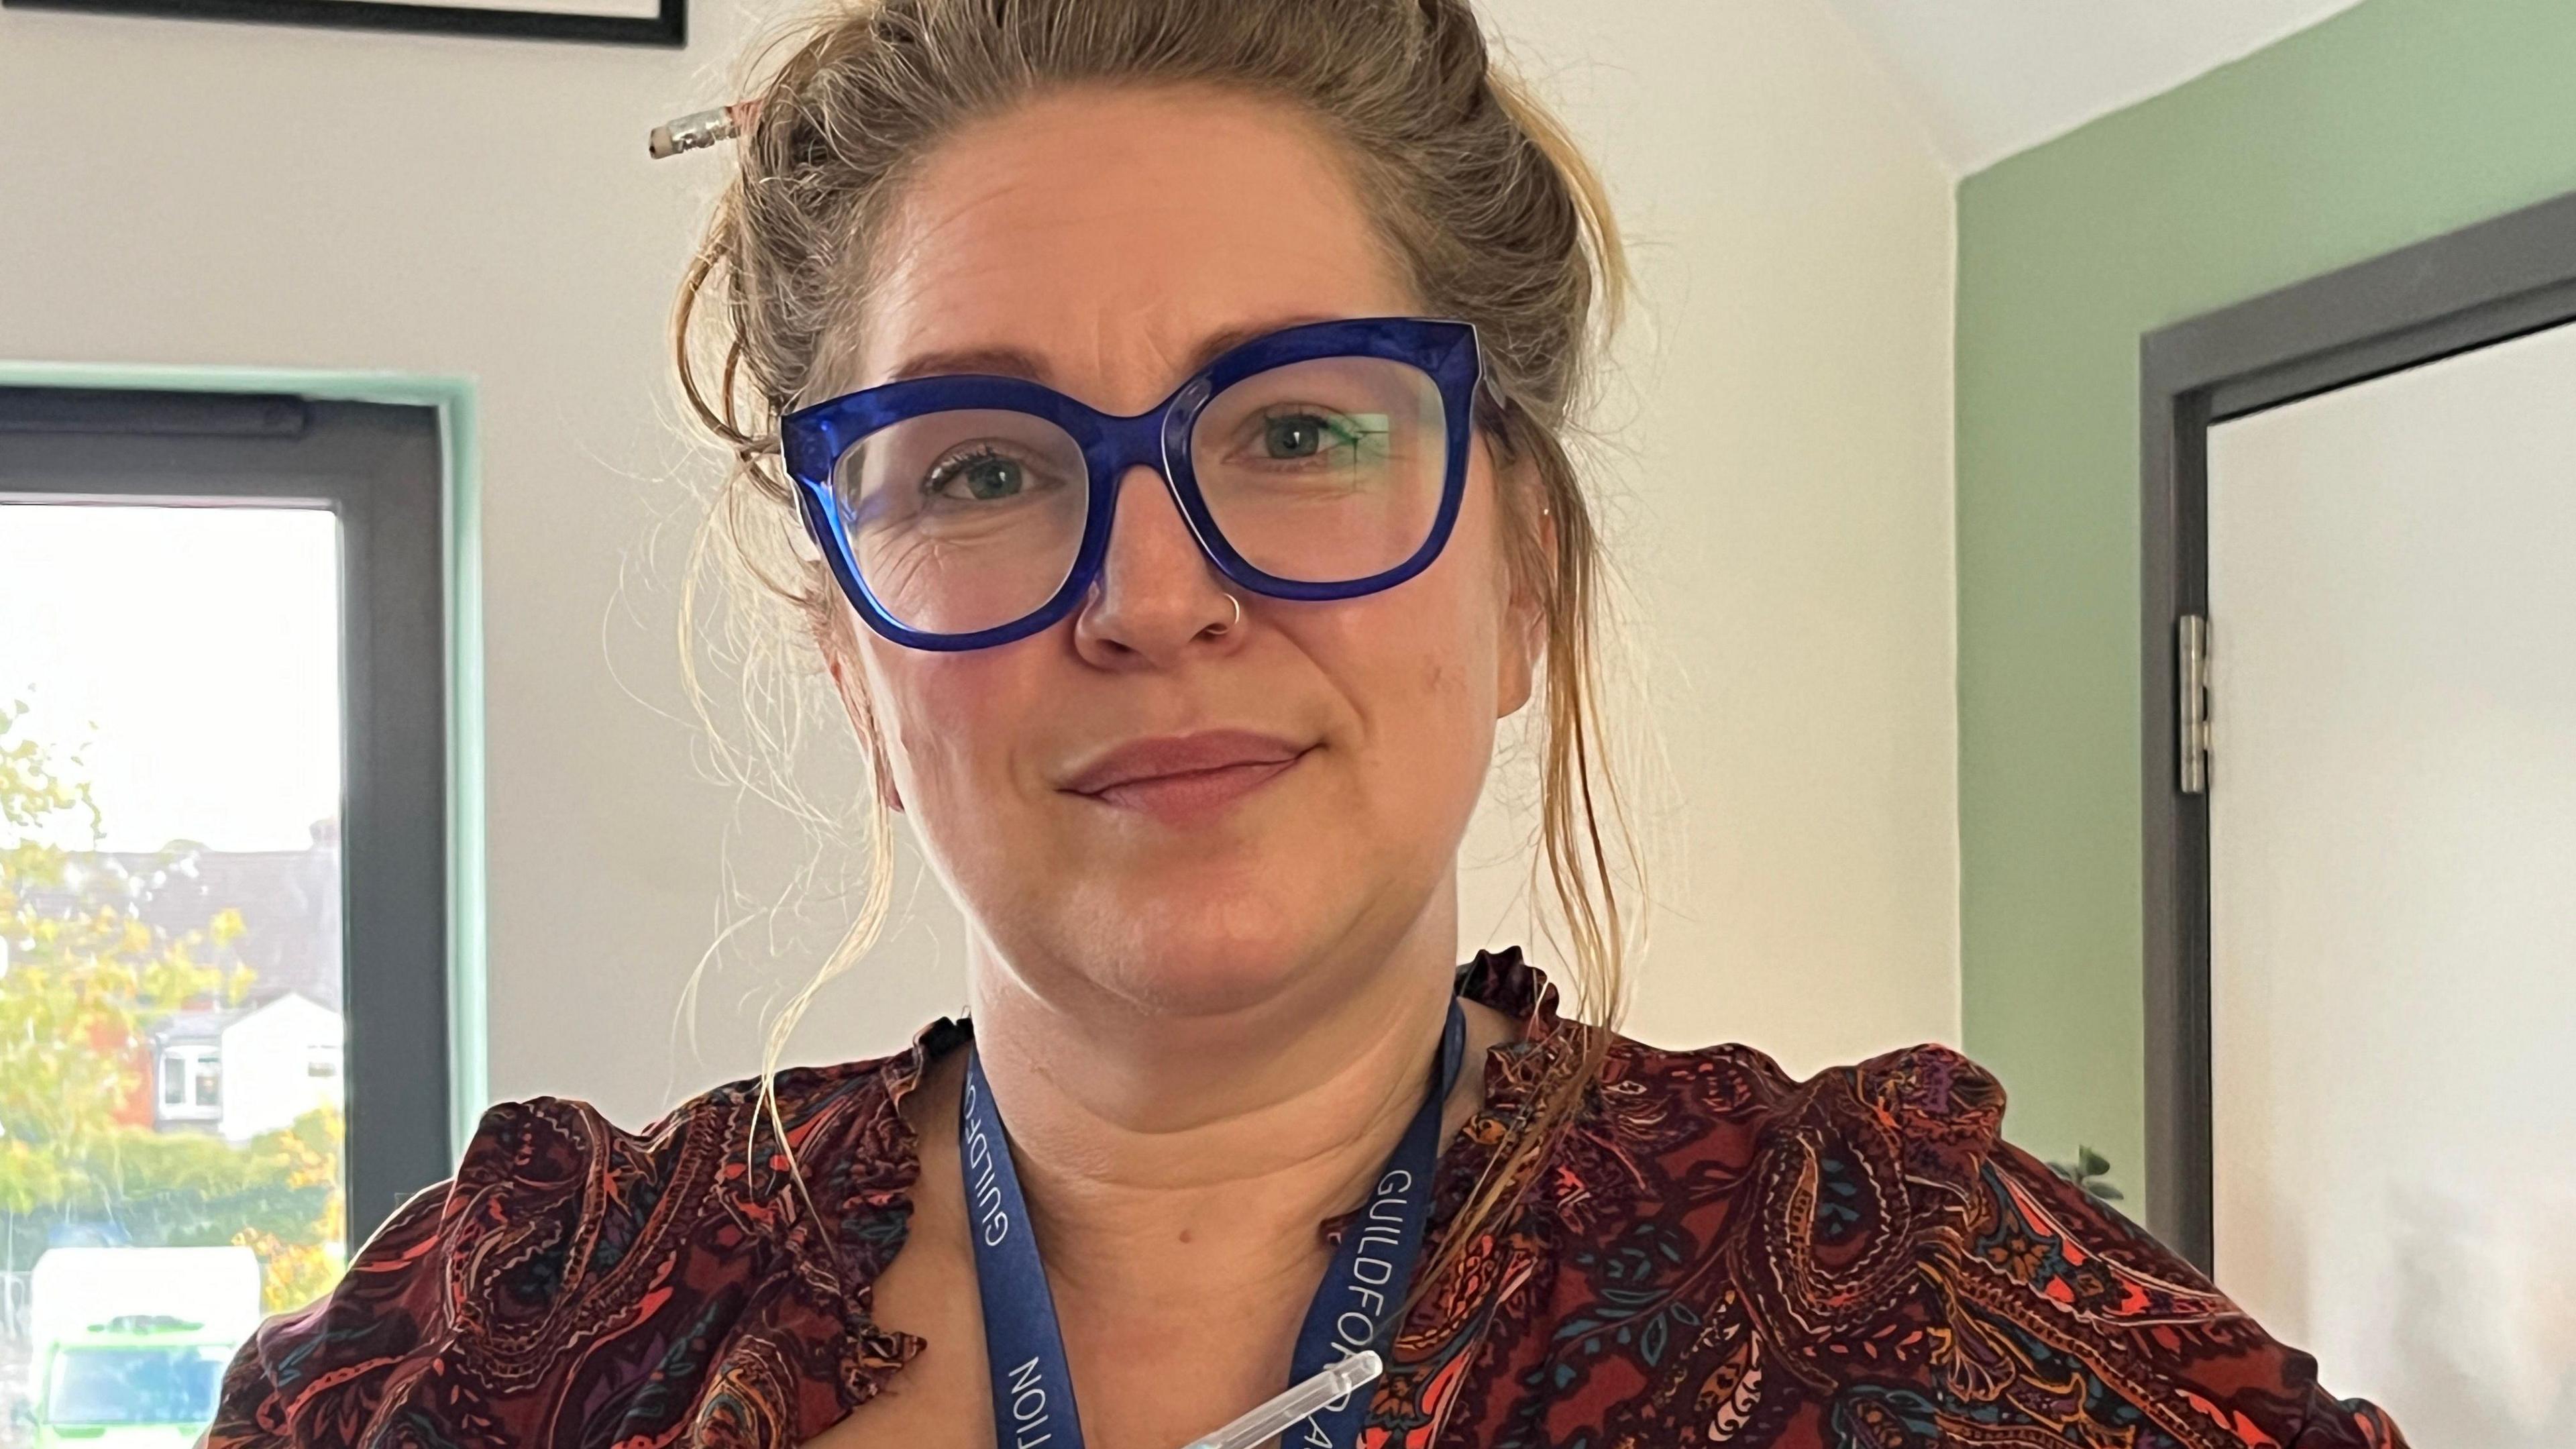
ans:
x=87 y=982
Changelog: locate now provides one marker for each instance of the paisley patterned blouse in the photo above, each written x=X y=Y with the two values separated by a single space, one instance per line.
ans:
x=1713 y=1254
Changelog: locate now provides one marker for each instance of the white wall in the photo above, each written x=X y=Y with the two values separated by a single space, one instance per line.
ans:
x=1784 y=408
x=211 y=194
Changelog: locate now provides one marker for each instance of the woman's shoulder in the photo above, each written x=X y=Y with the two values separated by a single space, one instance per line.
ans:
x=1917 y=1127
x=1837 y=1198
x=1941 y=1109
x=1870 y=1233
x=1925 y=1114
x=1713 y=1248
x=1835 y=1185
x=683 y=1273
x=578 y=1197
x=734 y=1174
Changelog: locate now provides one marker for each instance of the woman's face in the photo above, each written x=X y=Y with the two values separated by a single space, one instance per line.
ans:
x=1102 y=240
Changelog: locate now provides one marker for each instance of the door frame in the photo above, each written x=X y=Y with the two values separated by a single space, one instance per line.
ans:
x=2472 y=288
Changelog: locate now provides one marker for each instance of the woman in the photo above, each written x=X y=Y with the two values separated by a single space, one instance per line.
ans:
x=1296 y=293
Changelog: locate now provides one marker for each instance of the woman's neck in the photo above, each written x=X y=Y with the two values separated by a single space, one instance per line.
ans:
x=1174 y=1162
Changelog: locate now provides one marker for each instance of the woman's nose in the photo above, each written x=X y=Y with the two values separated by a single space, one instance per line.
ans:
x=1158 y=593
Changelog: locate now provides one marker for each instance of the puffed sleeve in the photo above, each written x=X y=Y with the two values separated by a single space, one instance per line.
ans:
x=319 y=1375
x=475 y=1292
x=578 y=1284
x=2054 y=1319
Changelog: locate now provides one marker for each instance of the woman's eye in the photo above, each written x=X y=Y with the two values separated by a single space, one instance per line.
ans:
x=1297 y=435
x=977 y=478
x=1288 y=436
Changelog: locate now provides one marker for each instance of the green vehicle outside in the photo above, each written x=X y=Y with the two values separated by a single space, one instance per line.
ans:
x=130 y=1381
x=129 y=1344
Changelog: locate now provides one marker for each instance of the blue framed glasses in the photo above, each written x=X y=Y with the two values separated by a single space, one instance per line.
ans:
x=1323 y=461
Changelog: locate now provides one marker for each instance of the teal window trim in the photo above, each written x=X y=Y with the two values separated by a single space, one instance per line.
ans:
x=469 y=1036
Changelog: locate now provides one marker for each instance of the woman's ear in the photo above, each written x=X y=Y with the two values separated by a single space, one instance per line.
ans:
x=1524 y=639
x=854 y=701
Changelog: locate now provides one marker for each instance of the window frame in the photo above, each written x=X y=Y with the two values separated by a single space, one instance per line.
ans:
x=381 y=467
x=189 y=1058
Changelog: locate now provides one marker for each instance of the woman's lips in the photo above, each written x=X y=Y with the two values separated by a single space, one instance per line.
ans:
x=1180 y=779
x=1193 y=794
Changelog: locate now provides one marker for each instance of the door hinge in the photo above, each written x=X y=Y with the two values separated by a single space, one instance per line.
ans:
x=2191 y=703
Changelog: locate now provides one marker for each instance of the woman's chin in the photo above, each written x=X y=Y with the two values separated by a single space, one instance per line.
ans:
x=1227 y=931
x=1198 y=965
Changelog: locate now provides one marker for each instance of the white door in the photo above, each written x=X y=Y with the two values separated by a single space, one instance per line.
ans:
x=2392 y=578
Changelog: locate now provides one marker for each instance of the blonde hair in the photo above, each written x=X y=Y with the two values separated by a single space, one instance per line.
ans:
x=1483 y=199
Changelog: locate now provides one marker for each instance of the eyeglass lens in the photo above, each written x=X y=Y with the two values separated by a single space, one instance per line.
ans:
x=1324 y=471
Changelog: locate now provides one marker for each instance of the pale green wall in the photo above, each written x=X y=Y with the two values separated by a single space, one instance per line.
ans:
x=2396 y=121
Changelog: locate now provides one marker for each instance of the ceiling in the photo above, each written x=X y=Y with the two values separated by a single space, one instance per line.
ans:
x=1993 y=77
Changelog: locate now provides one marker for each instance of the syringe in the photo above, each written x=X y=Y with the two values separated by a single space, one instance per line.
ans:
x=1271 y=1419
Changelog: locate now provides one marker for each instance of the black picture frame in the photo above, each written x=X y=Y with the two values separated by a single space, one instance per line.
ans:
x=669 y=27
x=2472 y=288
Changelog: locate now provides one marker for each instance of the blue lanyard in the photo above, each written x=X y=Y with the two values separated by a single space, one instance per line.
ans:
x=1033 y=1386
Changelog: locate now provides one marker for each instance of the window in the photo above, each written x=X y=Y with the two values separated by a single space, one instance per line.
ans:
x=223 y=765
x=191 y=1083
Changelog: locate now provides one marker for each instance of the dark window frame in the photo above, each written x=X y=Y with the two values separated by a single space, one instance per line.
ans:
x=381 y=468
x=2473 y=288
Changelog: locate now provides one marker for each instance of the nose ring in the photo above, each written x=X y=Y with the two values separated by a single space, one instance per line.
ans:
x=1229 y=624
